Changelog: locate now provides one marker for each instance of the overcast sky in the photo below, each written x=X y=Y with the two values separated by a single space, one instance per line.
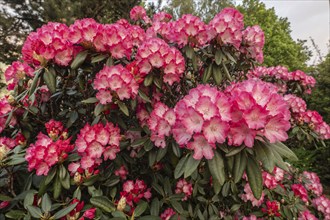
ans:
x=308 y=18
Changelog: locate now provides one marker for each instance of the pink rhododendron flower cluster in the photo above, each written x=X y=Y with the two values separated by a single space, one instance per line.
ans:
x=313 y=183
x=182 y=186
x=161 y=17
x=162 y=118
x=248 y=196
x=122 y=172
x=278 y=174
x=45 y=153
x=259 y=110
x=55 y=129
x=155 y=53
x=203 y=115
x=134 y=191
x=15 y=72
x=322 y=204
x=300 y=191
x=139 y=13
x=6 y=144
x=50 y=42
x=306 y=215
x=316 y=123
x=297 y=104
x=189 y=29
x=273 y=208
x=227 y=27
x=254 y=40
x=269 y=180
x=115 y=81
x=5 y=109
x=282 y=73
x=96 y=141
x=167 y=214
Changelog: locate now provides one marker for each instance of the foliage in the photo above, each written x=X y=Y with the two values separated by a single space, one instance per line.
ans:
x=155 y=119
x=280 y=48
x=19 y=17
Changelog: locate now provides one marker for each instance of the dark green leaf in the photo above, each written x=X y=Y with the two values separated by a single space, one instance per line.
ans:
x=217 y=74
x=15 y=214
x=189 y=52
x=217 y=168
x=50 y=79
x=154 y=208
x=35 y=81
x=255 y=177
x=98 y=109
x=79 y=59
x=239 y=166
x=34 y=211
x=191 y=166
x=99 y=58
x=284 y=151
x=65 y=211
x=144 y=96
x=150 y=217
x=180 y=167
x=235 y=150
x=218 y=57
x=103 y=203
x=46 y=203
x=207 y=73
x=265 y=155
x=148 y=80
x=140 y=209
x=57 y=188
x=90 y=100
x=123 y=108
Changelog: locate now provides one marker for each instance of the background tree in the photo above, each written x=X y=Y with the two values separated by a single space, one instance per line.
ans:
x=19 y=17
x=280 y=48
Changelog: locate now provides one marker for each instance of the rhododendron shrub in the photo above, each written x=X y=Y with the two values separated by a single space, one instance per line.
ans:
x=152 y=118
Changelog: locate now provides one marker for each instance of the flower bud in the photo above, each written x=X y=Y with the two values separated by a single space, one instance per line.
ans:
x=121 y=204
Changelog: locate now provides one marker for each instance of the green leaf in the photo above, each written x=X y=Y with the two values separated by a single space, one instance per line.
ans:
x=161 y=152
x=207 y=73
x=46 y=203
x=90 y=100
x=239 y=166
x=99 y=58
x=218 y=57
x=65 y=211
x=73 y=117
x=148 y=80
x=140 y=209
x=228 y=76
x=16 y=161
x=150 y=217
x=50 y=79
x=177 y=206
x=29 y=198
x=191 y=166
x=154 y=208
x=98 y=109
x=144 y=96
x=139 y=141
x=217 y=74
x=180 y=167
x=79 y=59
x=284 y=151
x=265 y=155
x=5 y=198
x=235 y=150
x=109 y=62
x=279 y=160
x=123 y=108
x=217 y=168
x=15 y=214
x=35 y=81
x=57 y=188
x=103 y=203
x=34 y=211
x=189 y=52
x=255 y=177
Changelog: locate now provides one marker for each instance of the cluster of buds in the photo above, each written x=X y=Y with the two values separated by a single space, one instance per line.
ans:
x=76 y=212
x=17 y=71
x=182 y=186
x=56 y=130
x=315 y=123
x=297 y=104
x=272 y=209
x=167 y=214
x=322 y=204
x=300 y=191
x=134 y=191
x=6 y=144
x=306 y=215
x=312 y=183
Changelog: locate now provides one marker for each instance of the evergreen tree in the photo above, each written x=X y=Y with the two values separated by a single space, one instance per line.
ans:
x=19 y=17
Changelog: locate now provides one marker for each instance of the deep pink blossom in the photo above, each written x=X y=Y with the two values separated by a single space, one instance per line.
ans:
x=182 y=186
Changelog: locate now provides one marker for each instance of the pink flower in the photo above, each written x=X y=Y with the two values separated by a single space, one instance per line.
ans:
x=272 y=209
x=182 y=186
x=96 y=141
x=297 y=104
x=227 y=27
x=322 y=204
x=269 y=181
x=313 y=183
x=115 y=80
x=167 y=214
x=239 y=133
x=306 y=215
x=122 y=172
x=215 y=130
x=4 y=204
x=253 y=42
x=135 y=191
x=17 y=71
x=201 y=147
x=90 y=213
x=248 y=196
x=300 y=191
x=137 y=13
